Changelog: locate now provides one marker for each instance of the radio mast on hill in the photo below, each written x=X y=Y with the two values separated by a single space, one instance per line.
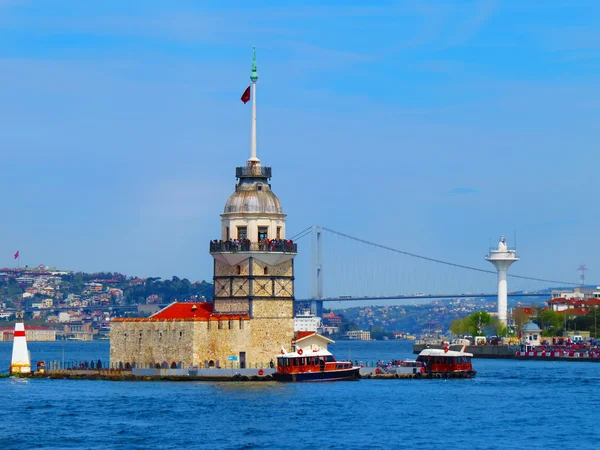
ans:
x=582 y=269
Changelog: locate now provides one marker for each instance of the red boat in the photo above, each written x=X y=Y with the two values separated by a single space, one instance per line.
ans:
x=312 y=362
x=446 y=363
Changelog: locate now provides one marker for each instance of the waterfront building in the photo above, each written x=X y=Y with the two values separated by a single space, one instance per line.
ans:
x=252 y=313
x=359 y=335
x=531 y=334
x=33 y=332
x=79 y=331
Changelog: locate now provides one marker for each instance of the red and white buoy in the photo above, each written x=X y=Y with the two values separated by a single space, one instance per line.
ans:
x=20 y=362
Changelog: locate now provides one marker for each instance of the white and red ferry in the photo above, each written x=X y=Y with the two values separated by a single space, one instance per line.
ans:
x=311 y=361
x=446 y=363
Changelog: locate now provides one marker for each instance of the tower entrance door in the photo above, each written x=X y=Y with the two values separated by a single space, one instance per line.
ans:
x=242 y=360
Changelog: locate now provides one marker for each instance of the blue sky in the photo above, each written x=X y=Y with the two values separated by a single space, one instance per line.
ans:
x=433 y=126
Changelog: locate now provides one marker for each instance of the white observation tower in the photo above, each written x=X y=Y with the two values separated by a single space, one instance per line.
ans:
x=502 y=258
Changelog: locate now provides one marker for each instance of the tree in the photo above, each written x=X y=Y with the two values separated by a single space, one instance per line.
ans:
x=478 y=321
x=550 y=322
x=520 y=317
x=378 y=332
x=460 y=327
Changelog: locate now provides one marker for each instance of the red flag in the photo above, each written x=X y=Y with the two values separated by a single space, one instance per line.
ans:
x=246 y=95
x=17 y=254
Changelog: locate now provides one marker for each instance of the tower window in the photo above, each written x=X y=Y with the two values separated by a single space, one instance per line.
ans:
x=226 y=233
x=259 y=186
x=278 y=232
x=266 y=270
x=263 y=233
x=242 y=232
x=239 y=269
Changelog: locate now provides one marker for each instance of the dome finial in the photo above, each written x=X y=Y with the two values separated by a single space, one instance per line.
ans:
x=253 y=74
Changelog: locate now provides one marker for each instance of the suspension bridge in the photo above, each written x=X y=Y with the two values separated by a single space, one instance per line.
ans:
x=357 y=269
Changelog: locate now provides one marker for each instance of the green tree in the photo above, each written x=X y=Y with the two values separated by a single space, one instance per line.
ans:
x=460 y=327
x=378 y=332
x=478 y=321
x=551 y=322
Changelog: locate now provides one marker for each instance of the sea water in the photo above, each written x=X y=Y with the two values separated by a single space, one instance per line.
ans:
x=509 y=404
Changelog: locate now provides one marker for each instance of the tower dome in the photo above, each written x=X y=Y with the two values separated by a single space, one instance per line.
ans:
x=253 y=193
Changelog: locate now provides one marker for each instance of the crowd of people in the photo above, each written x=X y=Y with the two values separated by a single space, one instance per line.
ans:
x=245 y=245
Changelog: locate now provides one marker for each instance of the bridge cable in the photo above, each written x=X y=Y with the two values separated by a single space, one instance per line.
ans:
x=295 y=237
x=439 y=261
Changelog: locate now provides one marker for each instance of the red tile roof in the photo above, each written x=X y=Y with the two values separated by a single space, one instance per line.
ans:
x=178 y=311
x=303 y=334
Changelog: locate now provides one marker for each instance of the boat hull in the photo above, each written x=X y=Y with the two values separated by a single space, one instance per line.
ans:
x=329 y=375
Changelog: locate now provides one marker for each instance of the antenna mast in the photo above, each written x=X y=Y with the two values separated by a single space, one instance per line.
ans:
x=582 y=269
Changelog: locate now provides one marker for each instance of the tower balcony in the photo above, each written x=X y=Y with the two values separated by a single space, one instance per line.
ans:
x=253 y=171
x=273 y=253
x=281 y=246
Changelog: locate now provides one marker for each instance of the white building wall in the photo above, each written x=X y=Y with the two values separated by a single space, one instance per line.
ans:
x=252 y=222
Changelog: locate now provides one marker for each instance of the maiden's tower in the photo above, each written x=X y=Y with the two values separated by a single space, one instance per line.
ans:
x=251 y=316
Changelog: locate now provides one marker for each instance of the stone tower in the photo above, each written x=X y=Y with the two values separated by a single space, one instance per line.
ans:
x=253 y=261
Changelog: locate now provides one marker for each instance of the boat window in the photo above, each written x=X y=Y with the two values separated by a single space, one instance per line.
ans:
x=295 y=361
x=301 y=361
x=329 y=358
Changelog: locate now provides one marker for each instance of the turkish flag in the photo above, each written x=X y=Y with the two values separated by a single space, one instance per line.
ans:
x=17 y=254
x=246 y=95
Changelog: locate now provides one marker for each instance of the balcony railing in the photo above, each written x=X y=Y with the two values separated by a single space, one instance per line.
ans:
x=274 y=246
x=508 y=249
x=252 y=171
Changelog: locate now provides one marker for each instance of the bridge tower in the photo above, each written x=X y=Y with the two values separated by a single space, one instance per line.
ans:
x=502 y=257
x=316 y=304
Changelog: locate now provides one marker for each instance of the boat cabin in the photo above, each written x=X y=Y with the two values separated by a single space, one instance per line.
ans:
x=310 y=355
x=445 y=361
x=320 y=362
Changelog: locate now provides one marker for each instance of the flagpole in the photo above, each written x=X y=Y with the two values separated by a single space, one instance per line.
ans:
x=253 y=78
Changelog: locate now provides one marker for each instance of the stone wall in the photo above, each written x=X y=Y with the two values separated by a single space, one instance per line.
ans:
x=151 y=342
x=225 y=270
x=197 y=343
x=239 y=305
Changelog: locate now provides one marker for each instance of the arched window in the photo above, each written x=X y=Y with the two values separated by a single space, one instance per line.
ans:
x=173 y=365
x=239 y=269
x=266 y=270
